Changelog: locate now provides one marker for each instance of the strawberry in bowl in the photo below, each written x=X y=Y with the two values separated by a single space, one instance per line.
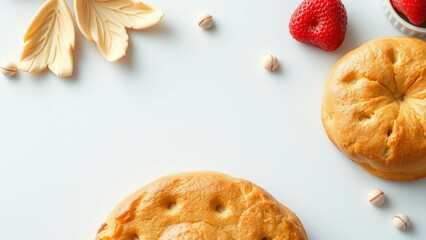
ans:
x=408 y=16
x=414 y=10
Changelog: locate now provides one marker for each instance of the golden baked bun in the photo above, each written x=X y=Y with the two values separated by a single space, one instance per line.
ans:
x=374 y=107
x=201 y=206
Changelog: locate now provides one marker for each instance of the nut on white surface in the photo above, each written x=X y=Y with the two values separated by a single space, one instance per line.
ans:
x=401 y=222
x=8 y=68
x=270 y=62
x=205 y=21
x=376 y=197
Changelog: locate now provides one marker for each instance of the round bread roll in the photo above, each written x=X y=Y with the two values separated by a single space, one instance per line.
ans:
x=374 y=107
x=202 y=206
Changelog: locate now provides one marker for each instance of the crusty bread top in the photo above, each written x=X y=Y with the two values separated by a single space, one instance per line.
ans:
x=202 y=206
x=374 y=107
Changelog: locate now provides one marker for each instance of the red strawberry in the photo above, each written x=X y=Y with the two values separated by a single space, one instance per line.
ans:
x=321 y=23
x=415 y=10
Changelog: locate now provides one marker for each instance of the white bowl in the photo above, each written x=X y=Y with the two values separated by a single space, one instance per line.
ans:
x=401 y=24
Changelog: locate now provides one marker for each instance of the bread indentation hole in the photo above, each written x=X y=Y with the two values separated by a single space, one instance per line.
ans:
x=389 y=132
x=220 y=208
x=266 y=238
x=350 y=82
x=363 y=116
x=168 y=203
x=171 y=205
x=134 y=237
x=393 y=57
x=350 y=79
x=399 y=97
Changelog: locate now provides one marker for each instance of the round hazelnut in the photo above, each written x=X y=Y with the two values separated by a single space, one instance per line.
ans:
x=376 y=197
x=401 y=222
x=270 y=62
x=8 y=68
x=205 y=21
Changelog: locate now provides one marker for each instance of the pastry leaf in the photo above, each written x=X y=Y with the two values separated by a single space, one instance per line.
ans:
x=49 y=40
x=105 y=22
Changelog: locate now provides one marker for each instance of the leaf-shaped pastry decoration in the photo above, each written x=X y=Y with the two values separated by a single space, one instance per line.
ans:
x=50 y=39
x=105 y=22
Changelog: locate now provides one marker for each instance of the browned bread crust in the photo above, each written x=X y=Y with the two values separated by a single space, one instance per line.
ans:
x=374 y=107
x=202 y=206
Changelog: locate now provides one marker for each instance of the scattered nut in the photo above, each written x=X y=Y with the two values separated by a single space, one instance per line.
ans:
x=270 y=62
x=8 y=68
x=205 y=21
x=376 y=197
x=401 y=222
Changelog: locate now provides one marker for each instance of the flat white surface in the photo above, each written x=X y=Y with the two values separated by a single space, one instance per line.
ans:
x=186 y=99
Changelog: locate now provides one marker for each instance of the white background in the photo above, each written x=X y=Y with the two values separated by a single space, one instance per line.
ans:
x=186 y=99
